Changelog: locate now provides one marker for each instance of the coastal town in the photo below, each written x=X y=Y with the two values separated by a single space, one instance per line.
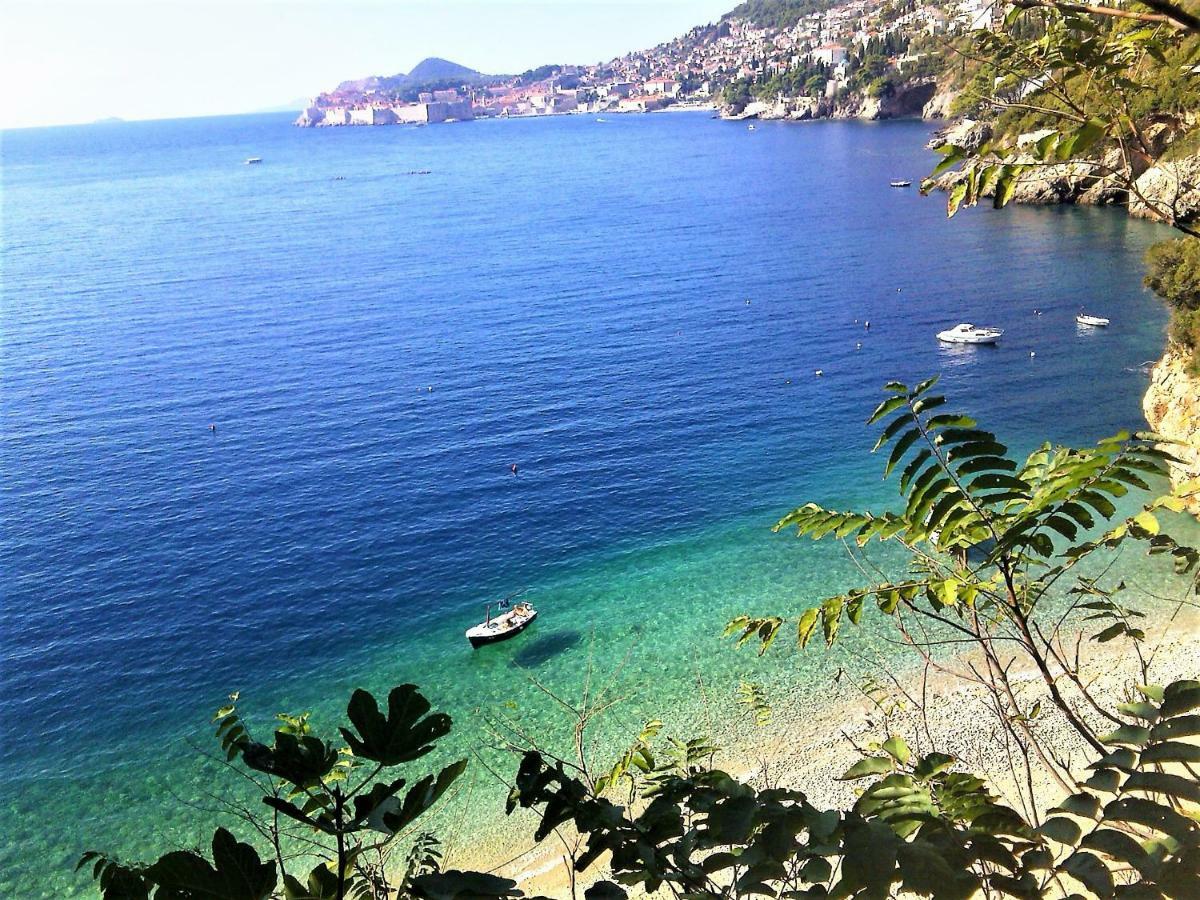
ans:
x=804 y=66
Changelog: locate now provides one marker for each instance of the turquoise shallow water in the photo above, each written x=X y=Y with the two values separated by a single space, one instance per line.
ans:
x=376 y=349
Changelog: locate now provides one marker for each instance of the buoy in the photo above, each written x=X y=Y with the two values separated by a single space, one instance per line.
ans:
x=867 y=324
x=429 y=389
x=858 y=346
x=789 y=381
x=212 y=427
x=1032 y=354
x=747 y=302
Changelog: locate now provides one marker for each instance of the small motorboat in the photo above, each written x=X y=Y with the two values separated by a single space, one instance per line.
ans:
x=900 y=183
x=503 y=625
x=253 y=160
x=749 y=127
x=966 y=333
x=1093 y=321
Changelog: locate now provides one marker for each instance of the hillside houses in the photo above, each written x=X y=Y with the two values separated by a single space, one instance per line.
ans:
x=690 y=69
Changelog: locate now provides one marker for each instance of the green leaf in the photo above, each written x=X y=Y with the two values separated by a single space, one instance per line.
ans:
x=404 y=734
x=1134 y=735
x=807 y=626
x=1115 y=844
x=1180 y=697
x=955 y=199
x=1145 y=711
x=1084 y=804
x=1164 y=783
x=892 y=429
x=1087 y=134
x=899 y=450
x=897 y=749
x=1147 y=521
x=1091 y=872
x=1177 y=727
x=1152 y=815
x=951 y=157
x=236 y=872
x=1171 y=751
x=1061 y=830
x=890 y=405
x=931 y=765
x=871 y=765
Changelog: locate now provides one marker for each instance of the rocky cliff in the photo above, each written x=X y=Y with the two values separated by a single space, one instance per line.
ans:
x=1161 y=185
x=910 y=99
x=1172 y=407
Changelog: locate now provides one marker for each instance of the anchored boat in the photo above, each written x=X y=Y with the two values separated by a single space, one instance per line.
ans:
x=502 y=626
x=966 y=333
x=1093 y=321
x=900 y=183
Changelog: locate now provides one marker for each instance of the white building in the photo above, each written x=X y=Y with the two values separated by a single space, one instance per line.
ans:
x=830 y=54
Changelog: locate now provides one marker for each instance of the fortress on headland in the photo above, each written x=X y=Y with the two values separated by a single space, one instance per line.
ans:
x=429 y=109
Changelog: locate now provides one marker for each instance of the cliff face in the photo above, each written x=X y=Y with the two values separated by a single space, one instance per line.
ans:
x=913 y=98
x=1172 y=407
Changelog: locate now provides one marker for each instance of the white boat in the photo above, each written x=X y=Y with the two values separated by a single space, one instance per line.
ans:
x=1094 y=321
x=253 y=160
x=503 y=626
x=749 y=127
x=970 y=334
x=900 y=183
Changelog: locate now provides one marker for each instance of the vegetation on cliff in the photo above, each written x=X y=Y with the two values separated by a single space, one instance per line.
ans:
x=1173 y=272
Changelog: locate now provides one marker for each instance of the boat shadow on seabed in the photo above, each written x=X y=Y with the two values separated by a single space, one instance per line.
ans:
x=542 y=649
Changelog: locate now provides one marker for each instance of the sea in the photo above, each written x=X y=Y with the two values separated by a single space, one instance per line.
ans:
x=260 y=424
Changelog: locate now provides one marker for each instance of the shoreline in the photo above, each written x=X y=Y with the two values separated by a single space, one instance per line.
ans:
x=808 y=744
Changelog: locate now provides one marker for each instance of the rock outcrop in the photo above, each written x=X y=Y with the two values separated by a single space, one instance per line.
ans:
x=901 y=102
x=941 y=104
x=1172 y=407
x=968 y=133
x=1059 y=183
x=1168 y=187
x=906 y=100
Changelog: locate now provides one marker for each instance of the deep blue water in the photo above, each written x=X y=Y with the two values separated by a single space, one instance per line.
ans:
x=631 y=311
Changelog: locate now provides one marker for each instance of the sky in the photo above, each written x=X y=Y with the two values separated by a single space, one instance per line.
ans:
x=67 y=61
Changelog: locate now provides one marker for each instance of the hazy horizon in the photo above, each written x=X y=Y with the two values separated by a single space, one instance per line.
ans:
x=78 y=62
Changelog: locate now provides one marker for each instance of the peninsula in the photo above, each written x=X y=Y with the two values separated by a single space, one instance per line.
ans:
x=793 y=59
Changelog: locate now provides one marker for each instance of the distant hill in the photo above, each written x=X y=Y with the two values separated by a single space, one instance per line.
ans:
x=431 y=70
x=435 y=69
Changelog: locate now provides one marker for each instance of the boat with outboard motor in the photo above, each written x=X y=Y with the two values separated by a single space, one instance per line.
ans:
x=502 y=626
x=1093 y=321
